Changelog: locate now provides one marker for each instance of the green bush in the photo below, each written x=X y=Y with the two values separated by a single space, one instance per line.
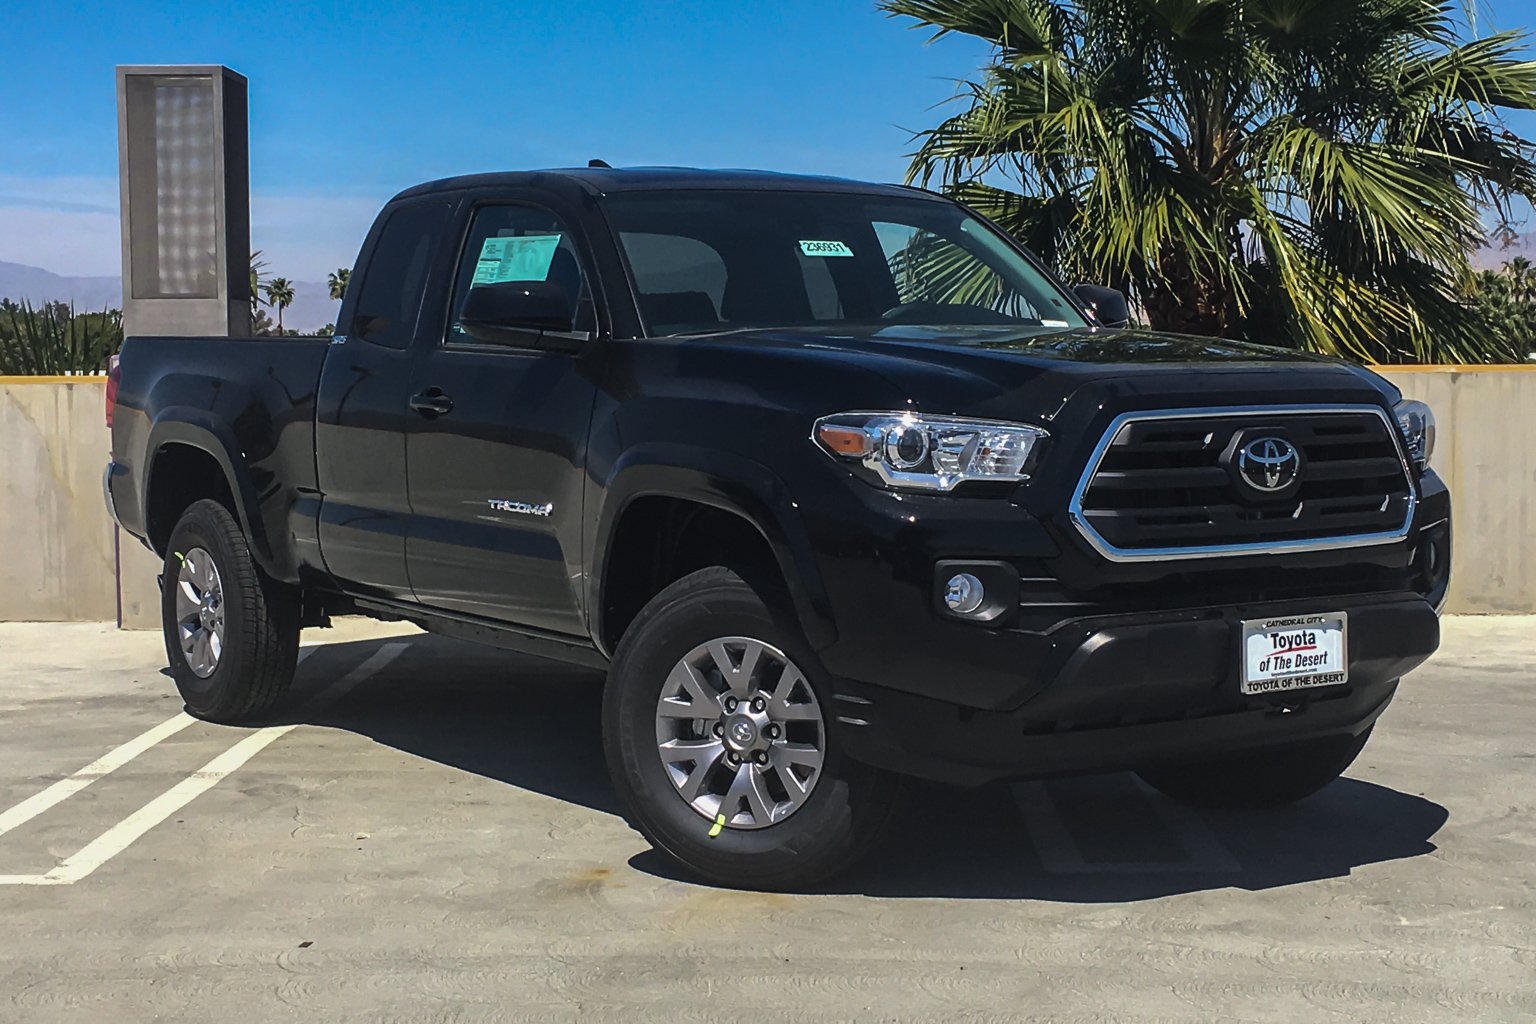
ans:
x=53 y=339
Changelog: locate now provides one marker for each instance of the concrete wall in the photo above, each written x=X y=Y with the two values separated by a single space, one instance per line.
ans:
x=59 y=559
x=58 y=547
x=56 y=541
x=1486 y=428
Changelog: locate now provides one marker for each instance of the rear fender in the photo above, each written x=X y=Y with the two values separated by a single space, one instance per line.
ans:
x=198 y=428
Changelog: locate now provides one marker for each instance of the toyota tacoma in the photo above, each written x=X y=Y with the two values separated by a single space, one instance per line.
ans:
x=835 y=481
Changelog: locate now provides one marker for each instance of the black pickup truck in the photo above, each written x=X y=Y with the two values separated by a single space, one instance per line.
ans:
x=836 y=482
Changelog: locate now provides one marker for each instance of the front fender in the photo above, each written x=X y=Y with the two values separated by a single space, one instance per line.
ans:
x=722 y=480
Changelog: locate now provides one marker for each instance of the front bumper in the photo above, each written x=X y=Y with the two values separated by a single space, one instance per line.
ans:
x=1140 y=689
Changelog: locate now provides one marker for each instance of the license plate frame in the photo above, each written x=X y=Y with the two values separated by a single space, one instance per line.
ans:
x=1269 y=665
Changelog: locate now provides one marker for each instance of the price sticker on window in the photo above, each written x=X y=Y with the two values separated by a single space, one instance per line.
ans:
x=824 y=248
x=516 y=258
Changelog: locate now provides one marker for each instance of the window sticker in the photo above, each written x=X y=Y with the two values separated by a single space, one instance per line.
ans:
x=519 y=258
x=809 y=248
x=1053 y=323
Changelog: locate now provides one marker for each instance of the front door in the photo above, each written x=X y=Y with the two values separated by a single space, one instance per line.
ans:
x=496 y=463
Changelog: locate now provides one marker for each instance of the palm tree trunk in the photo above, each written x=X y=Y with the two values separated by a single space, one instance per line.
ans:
x=1178 y=300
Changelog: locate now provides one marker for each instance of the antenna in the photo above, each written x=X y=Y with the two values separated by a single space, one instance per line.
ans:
x=600 y=163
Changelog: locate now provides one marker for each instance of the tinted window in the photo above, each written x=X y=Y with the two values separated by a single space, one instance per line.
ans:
x=519 y=243
x=396 y=275
x=728 y=260
x=929 y=268
x=820 y=288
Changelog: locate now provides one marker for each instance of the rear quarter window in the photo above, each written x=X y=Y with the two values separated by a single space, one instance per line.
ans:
x=395 y=276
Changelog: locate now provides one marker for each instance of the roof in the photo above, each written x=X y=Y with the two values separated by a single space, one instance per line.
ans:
x=605 y=180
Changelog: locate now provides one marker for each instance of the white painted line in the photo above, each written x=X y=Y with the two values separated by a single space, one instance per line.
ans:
x=122 y=835
x=1202 y=845
x=1060 y=855
x=1053 y=843
x=103 y=766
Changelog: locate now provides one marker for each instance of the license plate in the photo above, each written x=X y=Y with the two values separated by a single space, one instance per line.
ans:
x=1296 y=652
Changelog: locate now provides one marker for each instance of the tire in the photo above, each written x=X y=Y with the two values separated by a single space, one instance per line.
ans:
x=778 y=839
x=255 y=618
x=1261 y=779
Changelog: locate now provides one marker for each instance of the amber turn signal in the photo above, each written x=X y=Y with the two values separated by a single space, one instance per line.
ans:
x=849 y=441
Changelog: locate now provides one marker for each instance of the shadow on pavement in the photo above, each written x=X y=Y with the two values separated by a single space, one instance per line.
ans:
x=530 y=723
x=536 y=725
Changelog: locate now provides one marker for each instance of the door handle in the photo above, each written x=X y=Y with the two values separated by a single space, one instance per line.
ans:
x=432 y=402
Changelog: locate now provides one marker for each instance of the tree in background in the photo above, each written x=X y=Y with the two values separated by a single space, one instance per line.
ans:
x=258 y=279
x=280 y=296
x=1506 y=300
x=54 y=339
x=338 y=283
x=1302 y=172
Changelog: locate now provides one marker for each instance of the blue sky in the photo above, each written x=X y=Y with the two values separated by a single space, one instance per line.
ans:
x=350 y=103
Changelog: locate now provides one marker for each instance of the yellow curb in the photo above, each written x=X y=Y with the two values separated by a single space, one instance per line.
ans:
x=1453 y=367
x=84 y=378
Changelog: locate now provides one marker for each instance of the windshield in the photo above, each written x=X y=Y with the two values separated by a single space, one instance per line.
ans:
x=718 y=261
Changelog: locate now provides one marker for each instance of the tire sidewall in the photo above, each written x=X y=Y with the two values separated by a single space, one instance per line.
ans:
x=707 y=606
x=201 y=528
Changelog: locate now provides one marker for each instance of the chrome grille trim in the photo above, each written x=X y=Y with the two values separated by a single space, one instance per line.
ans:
x=1113 y=553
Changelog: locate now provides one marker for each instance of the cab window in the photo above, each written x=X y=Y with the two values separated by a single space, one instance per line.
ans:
x=519 y=243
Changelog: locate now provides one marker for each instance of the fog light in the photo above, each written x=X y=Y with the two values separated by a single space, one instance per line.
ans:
x=963 y=594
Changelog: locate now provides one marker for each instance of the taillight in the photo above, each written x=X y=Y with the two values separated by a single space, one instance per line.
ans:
x=114 y=374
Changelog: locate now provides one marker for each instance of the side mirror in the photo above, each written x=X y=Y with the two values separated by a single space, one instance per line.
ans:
x=1108 y=305
x=508 y=311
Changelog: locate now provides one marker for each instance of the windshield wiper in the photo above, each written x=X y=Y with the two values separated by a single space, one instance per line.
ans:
x=698 y=334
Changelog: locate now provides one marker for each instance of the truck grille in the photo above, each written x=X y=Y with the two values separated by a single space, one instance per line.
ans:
x=1168 y=484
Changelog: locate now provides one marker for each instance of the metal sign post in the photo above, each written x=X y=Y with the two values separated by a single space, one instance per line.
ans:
x=184 y=177
x=184 y=170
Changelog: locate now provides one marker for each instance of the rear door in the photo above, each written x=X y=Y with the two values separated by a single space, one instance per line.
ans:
x=362 y=412
x=496 y=475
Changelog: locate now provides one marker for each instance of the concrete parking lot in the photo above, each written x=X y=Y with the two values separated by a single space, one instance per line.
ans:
x=431 y=836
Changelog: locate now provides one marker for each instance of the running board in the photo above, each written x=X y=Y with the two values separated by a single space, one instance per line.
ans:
x=572 y=650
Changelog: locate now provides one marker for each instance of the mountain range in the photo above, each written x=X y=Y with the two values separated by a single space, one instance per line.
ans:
x=1491 y=258
x=312 y=306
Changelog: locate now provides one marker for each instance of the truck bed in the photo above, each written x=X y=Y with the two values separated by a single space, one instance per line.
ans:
x=254 y=396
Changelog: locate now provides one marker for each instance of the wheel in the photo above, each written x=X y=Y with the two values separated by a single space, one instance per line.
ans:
x=1264 y=778
x=720 y=738
x=231 y=633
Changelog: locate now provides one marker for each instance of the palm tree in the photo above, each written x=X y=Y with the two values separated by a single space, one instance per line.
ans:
x=279 y=295
x=258 y=275
x=338 y=283
x=1311 y=172
x=1521 y=275
x=1508 y=304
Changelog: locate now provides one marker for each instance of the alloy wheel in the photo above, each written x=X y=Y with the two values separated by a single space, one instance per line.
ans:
x=740 y=733
x=200 y=612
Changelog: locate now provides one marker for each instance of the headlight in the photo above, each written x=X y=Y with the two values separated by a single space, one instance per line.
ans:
x=931 y=453
x=1417 y=424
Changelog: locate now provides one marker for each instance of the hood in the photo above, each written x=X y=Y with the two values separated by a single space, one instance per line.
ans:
x=1006 y=371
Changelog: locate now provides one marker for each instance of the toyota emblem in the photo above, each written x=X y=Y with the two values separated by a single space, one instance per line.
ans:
x=1268 y=464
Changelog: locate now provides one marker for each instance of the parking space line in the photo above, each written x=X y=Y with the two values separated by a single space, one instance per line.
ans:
x=103 y=766
x=1059 y=854
x=123 y=834
x=1202 y=845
